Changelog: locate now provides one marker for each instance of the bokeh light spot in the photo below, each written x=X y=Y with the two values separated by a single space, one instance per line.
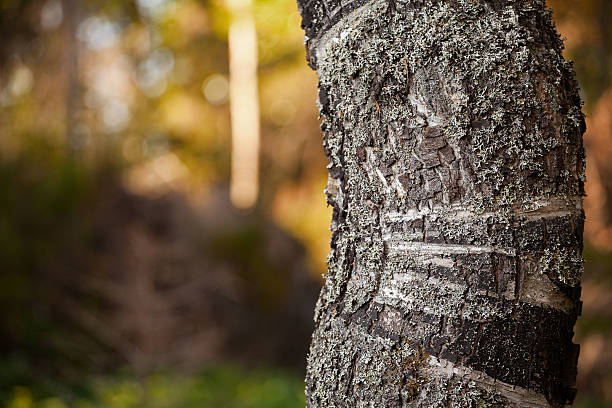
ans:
x=21 y=81
x=51 y=15
x=216 y=89
x=115 y=116
x=98 y=33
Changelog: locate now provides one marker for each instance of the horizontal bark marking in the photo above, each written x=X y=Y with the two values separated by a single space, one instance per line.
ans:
x=491 y=274
x=530 y=348
x=518 y=396
x=548 y=208
x=481 y=273
x=559 y=230
x=422 y=247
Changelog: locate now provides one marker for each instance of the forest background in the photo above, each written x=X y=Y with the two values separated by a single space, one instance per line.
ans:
x=128 y=277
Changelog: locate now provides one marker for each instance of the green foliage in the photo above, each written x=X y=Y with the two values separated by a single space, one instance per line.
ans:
x=41 y=189
x=592 y=404
x=45 y=199
x=223 y=386
x=245 y=246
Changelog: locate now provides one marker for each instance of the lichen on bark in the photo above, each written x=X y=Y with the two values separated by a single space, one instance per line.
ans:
x=454 y=134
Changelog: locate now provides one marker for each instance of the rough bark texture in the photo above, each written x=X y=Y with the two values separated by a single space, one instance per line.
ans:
x=454 y=134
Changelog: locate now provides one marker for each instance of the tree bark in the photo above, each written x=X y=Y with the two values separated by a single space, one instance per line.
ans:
x=454 y=134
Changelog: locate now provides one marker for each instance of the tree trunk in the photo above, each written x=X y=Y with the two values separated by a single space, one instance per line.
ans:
x=454 y=134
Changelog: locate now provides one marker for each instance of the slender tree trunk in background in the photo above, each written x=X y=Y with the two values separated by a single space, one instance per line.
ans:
x=244 y=104
x=454 y=134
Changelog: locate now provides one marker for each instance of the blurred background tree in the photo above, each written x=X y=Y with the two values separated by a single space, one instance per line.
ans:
x=127 y=277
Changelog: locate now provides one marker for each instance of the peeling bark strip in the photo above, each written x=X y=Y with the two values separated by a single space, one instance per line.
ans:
x=454 y=135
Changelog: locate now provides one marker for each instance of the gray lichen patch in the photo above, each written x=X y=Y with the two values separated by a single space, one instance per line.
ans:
x=563 y=266
x=461 y=394
x=369 y=367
